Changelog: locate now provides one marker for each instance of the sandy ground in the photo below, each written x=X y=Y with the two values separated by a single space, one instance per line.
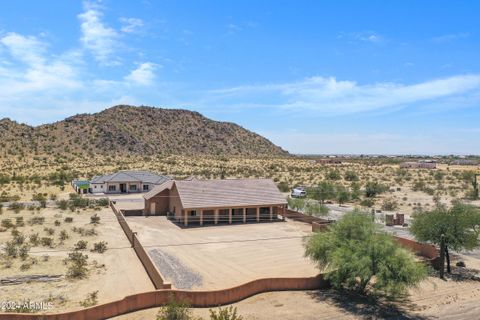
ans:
x=434 y=299
x=121 y=275
x=227 y=255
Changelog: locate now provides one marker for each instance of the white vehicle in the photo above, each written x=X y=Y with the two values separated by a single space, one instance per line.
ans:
x=298 y=192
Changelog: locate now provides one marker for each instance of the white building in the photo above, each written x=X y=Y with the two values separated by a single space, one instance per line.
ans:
x=126 y=182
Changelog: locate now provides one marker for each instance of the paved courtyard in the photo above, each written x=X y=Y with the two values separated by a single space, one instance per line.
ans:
x=215 y=257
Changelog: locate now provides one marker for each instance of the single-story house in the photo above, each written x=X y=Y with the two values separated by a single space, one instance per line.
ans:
x=126 y=182
x=216 y=201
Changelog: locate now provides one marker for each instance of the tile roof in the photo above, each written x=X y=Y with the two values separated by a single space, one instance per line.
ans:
x=224 y=193
x=131 y=176
x=157 y=189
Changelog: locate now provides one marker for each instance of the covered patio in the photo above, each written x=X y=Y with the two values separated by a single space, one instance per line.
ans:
x=202 y=202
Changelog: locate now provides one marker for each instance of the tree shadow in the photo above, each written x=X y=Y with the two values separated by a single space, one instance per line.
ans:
x=368 y=307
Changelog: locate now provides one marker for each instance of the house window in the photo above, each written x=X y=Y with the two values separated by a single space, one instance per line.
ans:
x=193 y=213
x=95 y=187
x=145 y=187
x=112 y=188
x=133 y=187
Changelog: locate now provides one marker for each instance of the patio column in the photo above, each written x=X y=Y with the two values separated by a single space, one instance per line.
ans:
x=244 y=215
x=216 y=216
x=271 y=213
x=230 y=216
x=185 y=217
x=201 y=217
x=258 y=214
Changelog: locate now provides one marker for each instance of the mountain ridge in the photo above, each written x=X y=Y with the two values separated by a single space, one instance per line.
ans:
x=139 y=130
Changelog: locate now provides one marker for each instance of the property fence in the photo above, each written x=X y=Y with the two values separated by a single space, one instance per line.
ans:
x=427 y=251
x=197 y=299
x=142 y=254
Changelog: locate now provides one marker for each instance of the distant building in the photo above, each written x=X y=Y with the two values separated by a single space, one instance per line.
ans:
x=126 y=182
x=464 y=162
x=421 y=164
x=216 y=201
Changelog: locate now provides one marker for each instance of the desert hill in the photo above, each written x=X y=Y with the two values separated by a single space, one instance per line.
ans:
x=135 y=130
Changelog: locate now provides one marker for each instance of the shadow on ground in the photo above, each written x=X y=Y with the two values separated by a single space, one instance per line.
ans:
x=368 y=307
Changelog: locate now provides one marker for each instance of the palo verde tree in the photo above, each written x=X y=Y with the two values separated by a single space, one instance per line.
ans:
x=357 y=256
x=324 y=191
x=456 y=228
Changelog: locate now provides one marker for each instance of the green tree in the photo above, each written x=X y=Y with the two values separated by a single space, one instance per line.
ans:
x=324 y=191
x=358 y=257
x=313 y=208
x=458 y=227
x=372 y=189
x=296 y=204
x=343 y=195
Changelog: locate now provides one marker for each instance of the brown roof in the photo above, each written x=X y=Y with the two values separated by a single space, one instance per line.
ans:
x=228 y=193
x=157 y=189
x=225 y=193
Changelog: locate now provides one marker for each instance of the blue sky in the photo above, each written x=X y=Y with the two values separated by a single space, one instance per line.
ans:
x=394 y=77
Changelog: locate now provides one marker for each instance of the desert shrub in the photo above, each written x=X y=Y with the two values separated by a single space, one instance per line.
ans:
x=46 y=241
x=100 y=247
x=19 y=222
x=229 y=313
x=49 y=231
x=389 y=205
x=77 y=265
x=33 y=239
x=283 y=186
x=23 y=252
x=62 y=204
x=68 y=220
x=333 y=175
x=63 y=235
x=16 y=207
x=10 y=249
x=7 y=223
x=367 y=203
x=95 y=219
x=57 y=223
x=372 y=189
x=103 y=202
x=90 y=300
x=18 y=237
x=81 y=245
x=36 y=220
x=351 y=175
x=175 y=311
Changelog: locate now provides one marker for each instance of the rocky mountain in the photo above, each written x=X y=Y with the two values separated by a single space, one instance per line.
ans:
x=135 y=130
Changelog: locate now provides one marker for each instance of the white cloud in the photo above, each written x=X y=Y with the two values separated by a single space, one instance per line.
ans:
x=131 y=25
x=143 y=75
x=330 y=96
x=450 y=37
x=97 y=37
x=364 y=36
x=27 y=49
